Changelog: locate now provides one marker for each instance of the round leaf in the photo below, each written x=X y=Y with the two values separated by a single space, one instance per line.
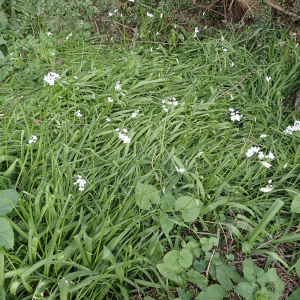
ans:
x=8 y=200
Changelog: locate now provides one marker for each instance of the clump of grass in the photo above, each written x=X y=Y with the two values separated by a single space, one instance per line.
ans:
x=96 y=242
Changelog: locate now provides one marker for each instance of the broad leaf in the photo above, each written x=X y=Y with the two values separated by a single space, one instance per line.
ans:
x=197 y=278
x=226 y=273
x=200 y=266
x=190 y=208
x=8 y=200
x=292 y=192
x=185 y=258
x=166 y=223
x=1 y=55
x=146 y=194
x=213 y=292
x=273 y=280
x=247 y=290
x=171 y=260
x=253 y=273
x=295 y=295
x=295 y=207
x=3 y=19
x=167 y=201
x=6 y=234
x=169 y=274
x=297 y=267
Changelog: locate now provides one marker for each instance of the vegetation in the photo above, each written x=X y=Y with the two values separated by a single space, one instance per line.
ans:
x=158 y=165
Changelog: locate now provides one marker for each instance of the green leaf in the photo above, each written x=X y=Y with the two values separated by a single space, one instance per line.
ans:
x=6 y=234
x=3 y=18
x=194 y=248
x=8 y=200
x=187 y=295
x=274 y=280
x=213 y=292
x=166 y=223
x=146 y=194
x=190 y=208
x=171 y=260
x=1 y=55
x=86 y=25
x=2 y=41
x=292 y=192
x=208 y=243
x=197 y=278
x=224 y=275
x=169 y=274
x=297 y=267
x=200 y=266
x=253 y=273
x=167 y=201
x=247 y=290
x=246 y=247
x=185 y=258
x=295 y=295
x=295 y=207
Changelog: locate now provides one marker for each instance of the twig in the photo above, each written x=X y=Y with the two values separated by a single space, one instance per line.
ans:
x=230 y=4
x=157 y=178
x=11 y=104
x=140 y=296
x=278 y=7
x=209 y=263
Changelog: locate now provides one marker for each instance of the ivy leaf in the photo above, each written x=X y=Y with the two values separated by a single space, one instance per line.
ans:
x=190 y=208
x=171 y=260
x=146 y=194
x=200 y=266
x=295 y=207
x=169 y=274
x=8 y=200
x=295 y=295
x=167 y=201
x=247 y=290
x=195 y=277
x=274 y=280
x=185 y=258
x=166 y=223
x=6 y=234
x=207 y=244
x=213 y=292
x=194 y=248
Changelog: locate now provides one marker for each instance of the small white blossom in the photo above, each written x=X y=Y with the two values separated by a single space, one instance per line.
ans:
x=69 y=36
x=51 y=77
x=75 y=77
x=231 y=109
x=270 y=155
x=125 y=130
x=151 y=49
x=181 y=171
x=285 y=166
x=268 y=78
x=250 y=152
x=32 y=140
x=81 y=183
x=117 y=129
x=263 y=135
x=232 y=64
x=118 y=86
x=149 y=15
x=110 y=100
x=108 y=119
x=161 y=15
x=49 y=33
x=131 y=0
x=261 y=155
x=291 y=129
x=266 y=164
x=163 y=101
x=224 y=49
x=266 y=189
x=157 y=33
x=53 y=53
x=78 y=114
x=110 y=14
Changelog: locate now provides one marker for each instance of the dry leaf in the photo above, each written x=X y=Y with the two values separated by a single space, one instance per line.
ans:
x=59 y=61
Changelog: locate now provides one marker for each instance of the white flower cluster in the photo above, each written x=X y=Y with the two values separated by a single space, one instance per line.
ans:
x=78 y=114
x=196 y=31
x=262 y=156
x=235 y=115
x=125 y=138
x=51 y=77
x=181 y=171
x=81 y=182
x=174 y=103
x=250 y=152
x=118 y=86
x=49 y=33
x=135 y=114
x=268 y=78
x=149 y=15
x=108 y=119
x=33 y=139
x=291 y=129
x=268 y=188
x=110 y=100
x=69 y=36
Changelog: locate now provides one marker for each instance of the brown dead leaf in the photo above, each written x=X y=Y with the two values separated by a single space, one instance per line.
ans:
x=59 y=61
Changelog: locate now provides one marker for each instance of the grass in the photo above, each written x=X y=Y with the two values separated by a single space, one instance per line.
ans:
x=99 y=243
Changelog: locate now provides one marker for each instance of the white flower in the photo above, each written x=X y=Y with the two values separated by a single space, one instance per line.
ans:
x=285 y=166
x=117 y=129
x=110 y=100
x=81 y=182
x=270 y=155
x=32 y=140
x=268 y=78
x=266 y=164
x=224 y=49
x=266 y=189
x=160 y=15
x=134 y=115
x=51 y=77
x=49 y=33
x=235 y=117
x=196 y=30
x=108 y=119
x=149 y=15
x=151 y=49
x=69 y=36
x=78 y=114
x=175 y=103
x=175 y=26
x=250 y=152
x=157 y=33
x=52 y=53
x=270 y=181
x=75 y=77
x=163 y=101
x=181 y=171
x=125 y=130
x=131 y=0
x=263 y=135
x=231 y=109
x=291 y=129
x=231 y=96
x=126 y=139
x=232 y=64
x=261 y=155
x=110 y=14
x=118 y=86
